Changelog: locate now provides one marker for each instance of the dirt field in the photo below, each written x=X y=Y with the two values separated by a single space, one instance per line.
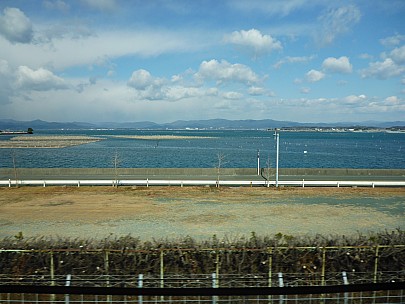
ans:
x=201 y=212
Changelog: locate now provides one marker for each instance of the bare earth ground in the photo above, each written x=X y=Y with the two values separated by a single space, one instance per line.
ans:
x=201 y=212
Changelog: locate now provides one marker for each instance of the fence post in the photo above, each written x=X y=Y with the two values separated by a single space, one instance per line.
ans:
x=67 y=296
x=345 y=282
x=162 y=272
x=376 y=263
x=270 y=266
x=323 y=266
x=52 y=266
x=140 y=285
x=214 y=285
x=270 y=273
x=217 y=267
x=107 y=271
x=281 y=284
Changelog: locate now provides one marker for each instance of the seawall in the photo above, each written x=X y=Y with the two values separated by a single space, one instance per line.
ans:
x=9 y=173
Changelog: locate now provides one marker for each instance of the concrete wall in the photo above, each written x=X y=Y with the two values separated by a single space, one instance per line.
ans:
x=6 y=173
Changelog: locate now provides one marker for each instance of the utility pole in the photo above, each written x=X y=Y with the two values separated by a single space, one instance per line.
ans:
x=277 y=136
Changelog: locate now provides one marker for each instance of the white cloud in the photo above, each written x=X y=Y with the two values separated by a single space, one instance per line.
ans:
x=337 y=22
x=305 y=90
x=175 y=93
x=256 y=91
x=148 y=87
x=314 y=76
x=392 y=40
x=398 y=55
x=56 y=5
x=288 y=59
x=15 y=26
x=22 y=80
x=224 y=104
x=38 y=80
x=254 y=41
x=337 y=65
x=232 y=95
x=102 y=5
x=354 y=99
x=274 y=7
x=394 y=100
x=6 y=89
x=366 y=56
x=87 y=48
x=383 y=70
x=224 y=71
x=4 y=67
x=142 y=79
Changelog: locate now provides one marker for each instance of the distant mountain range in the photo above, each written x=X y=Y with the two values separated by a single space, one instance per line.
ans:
x=10 y=124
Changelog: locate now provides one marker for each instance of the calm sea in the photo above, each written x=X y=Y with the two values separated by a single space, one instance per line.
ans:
x=238 y=149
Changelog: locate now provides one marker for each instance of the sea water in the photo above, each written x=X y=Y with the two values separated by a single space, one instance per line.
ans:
x=210 y=148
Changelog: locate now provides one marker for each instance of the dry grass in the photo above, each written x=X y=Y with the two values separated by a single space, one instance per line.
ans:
x=197 y=211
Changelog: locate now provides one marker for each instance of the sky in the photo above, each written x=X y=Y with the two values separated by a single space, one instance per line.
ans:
x=168 y=60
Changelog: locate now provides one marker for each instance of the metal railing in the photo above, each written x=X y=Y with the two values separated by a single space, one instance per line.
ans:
x=178 y=182
x=392 y=292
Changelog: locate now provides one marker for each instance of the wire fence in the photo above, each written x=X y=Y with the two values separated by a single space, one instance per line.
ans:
x=210 y=269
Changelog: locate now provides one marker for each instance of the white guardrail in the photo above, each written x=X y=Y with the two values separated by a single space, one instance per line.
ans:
x=162 y=182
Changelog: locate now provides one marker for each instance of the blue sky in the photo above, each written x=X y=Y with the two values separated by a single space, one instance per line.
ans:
x=167 y=60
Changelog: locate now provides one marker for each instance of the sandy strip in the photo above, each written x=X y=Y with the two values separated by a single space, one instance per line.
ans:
x=160 y=137
x=47 y=141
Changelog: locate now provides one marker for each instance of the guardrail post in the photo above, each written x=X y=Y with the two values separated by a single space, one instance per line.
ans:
x=147 y=182
x=9 y=183
x=44 y=184
x=303 y=183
